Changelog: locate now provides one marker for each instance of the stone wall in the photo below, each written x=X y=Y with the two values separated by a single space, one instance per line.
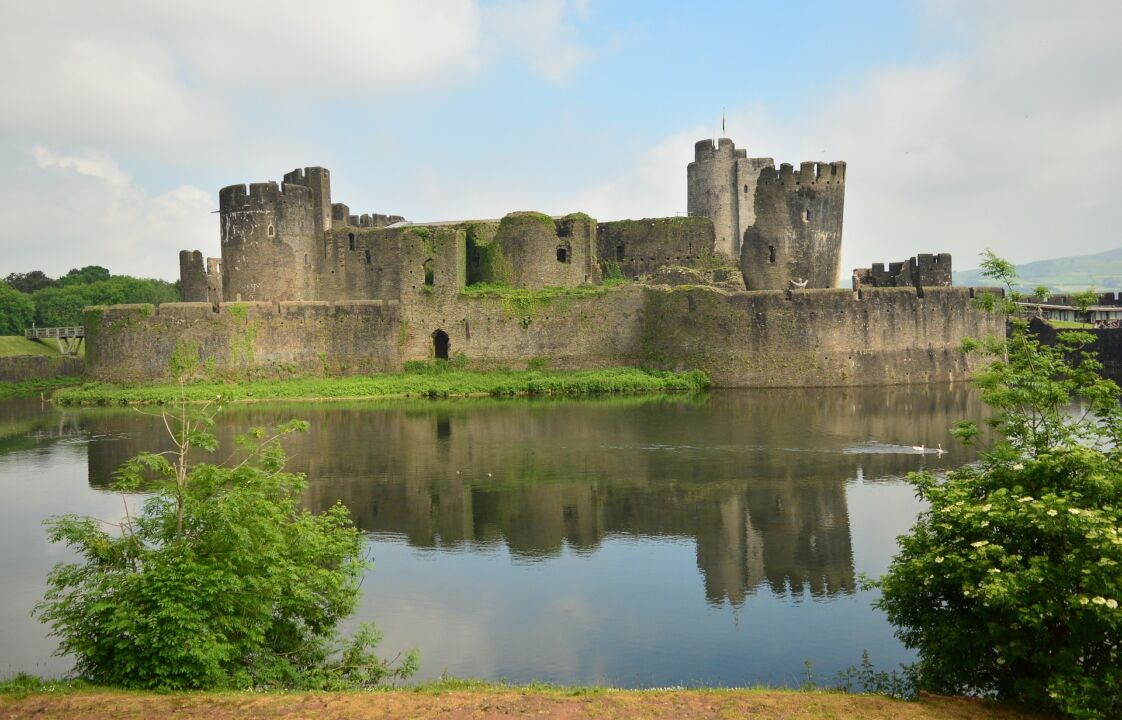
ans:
x=385 y=263
x=814 y=337
x=17 y=368
x=277 y=339
x=1107 y=344
x=640 y=247
x=742 y=339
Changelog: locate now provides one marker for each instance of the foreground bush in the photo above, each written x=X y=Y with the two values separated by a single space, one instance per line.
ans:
x=1010 y=584
x=219 y=581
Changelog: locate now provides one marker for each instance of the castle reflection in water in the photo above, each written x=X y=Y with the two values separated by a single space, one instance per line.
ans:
x=757 y=479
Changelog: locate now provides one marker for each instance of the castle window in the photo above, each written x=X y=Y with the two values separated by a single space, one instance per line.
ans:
x=429 y=278
x=306 y=263
x=271 y=231
x=806 y=215
x=351 y=238
x=563 y=254
x=771 y=253
x=745 y=189
x=368 y=258
x=619 y=253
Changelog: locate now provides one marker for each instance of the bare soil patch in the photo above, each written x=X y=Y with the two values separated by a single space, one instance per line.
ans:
x=501 y=703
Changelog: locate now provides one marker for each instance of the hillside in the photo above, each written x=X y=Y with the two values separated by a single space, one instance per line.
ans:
x=1103 y=271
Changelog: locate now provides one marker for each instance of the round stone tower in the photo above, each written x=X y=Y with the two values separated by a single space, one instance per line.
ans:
x=273 y=237
x=711 y=191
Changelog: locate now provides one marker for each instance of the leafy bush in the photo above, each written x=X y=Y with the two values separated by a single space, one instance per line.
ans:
x=1009 y=584
x=220 y=580
x=17 y=312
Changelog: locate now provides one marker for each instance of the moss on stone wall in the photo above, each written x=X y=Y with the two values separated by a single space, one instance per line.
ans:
x=492 y=267
x=184 y=360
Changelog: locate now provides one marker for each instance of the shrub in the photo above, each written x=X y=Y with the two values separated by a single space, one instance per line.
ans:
x=1009 y=584
x=219 y=581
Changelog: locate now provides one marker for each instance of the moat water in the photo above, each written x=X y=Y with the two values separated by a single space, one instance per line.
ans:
x=640 y=542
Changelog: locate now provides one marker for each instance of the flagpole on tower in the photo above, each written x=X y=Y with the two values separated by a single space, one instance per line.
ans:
x=722 y=121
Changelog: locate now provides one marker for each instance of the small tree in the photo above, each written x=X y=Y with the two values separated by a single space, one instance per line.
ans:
x=219 y=581
x=1083 y=302
x=1009 y=584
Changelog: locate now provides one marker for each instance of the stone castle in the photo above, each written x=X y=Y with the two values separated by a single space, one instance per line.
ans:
x=743 y=287
x=290 y=242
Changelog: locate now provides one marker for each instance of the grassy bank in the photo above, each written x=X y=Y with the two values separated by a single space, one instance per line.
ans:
x=486 y=700
x=418 y=383
x=25 y=388
x=19 y=345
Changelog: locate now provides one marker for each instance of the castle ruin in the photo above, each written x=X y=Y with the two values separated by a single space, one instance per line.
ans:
x=743 y=287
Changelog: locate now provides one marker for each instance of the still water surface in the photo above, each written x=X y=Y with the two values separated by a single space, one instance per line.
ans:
x=638 y=542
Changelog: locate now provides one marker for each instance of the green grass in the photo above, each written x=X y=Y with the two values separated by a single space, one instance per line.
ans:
x=439 y=381
x=18 y=345
x=34 y=387
x=1069 y=324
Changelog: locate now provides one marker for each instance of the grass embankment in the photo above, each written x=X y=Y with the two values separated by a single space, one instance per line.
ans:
x=425 y=383
x=23 y=388
x=485 y=700
x=18 y=345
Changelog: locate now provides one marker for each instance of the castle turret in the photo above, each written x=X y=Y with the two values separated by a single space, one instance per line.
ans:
x=192 y=276
x=711 y=192
x=795 y=241
x=272 y=236
x=784 y=227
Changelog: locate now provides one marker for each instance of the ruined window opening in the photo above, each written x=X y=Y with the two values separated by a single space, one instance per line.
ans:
x=619 y=253
x=440 y=345
x=806 y=215
x=771 y=253
x=429 y=279
x=351 y=239
x=562 y=253
x=306 y=263
x=745 y=189
x=271 y=231
x=368 y=258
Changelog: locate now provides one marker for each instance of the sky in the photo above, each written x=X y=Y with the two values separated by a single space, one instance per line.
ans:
x=966 y=124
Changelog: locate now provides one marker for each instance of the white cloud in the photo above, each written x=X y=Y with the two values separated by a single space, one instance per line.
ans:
x=189 y=73
x=67 y=211
x=95 y=164
x=1011 y=143
x=540 y=31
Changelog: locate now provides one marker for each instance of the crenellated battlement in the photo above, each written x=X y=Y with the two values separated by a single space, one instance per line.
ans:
x=706 y=150
x=341 y=215
x=261 y=196
x=814 y=173
x=925 y=270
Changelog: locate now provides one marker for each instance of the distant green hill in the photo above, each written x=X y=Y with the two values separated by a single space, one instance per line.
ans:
x=1103 y=271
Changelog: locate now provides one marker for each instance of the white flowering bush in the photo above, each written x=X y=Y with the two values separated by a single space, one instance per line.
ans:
x=1009 y=584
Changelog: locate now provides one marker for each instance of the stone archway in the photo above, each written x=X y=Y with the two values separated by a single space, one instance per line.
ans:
x=440 y=345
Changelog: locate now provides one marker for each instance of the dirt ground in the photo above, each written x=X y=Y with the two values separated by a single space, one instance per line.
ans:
x=765 y=705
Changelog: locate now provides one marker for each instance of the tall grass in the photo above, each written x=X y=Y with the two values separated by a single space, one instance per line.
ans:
x=437 y=381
